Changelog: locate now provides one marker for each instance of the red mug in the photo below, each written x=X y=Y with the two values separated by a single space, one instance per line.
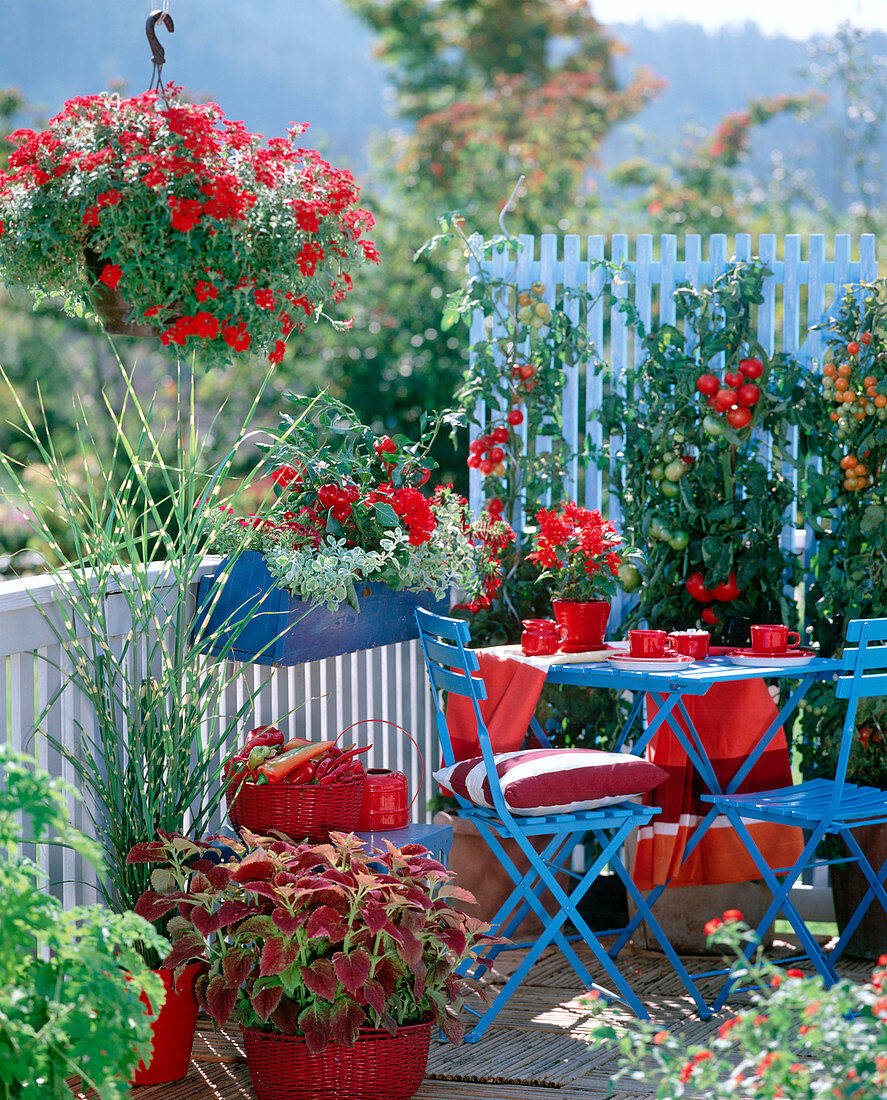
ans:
x=691 y=643
x=541 y=637
x=773 y=638
x=649 y=643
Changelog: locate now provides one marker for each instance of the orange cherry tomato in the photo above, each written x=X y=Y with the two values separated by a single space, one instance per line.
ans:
x=845 y=370
x=841 y=383
x=879 y=400
x=829 y=370
x=849 y=461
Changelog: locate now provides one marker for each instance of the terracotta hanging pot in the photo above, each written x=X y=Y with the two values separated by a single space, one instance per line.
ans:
x=585 y=622
x=112 y=309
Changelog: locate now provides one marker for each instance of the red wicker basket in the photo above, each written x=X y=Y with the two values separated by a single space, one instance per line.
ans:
x=378 y=1067
x=301 y=812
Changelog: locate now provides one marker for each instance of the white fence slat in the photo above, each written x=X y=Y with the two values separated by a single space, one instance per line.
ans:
x=594 y=383
x=570 y=398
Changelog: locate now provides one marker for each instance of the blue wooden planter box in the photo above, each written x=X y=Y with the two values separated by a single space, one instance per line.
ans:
x=286 y=631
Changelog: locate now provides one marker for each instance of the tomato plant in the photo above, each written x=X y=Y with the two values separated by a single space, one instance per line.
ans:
x=710 y=526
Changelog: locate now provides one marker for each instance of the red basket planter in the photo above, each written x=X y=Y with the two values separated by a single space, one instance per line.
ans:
x=378 y=1067
x=301 y=812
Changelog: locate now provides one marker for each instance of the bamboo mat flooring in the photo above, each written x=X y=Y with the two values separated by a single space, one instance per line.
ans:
x=538 y=1049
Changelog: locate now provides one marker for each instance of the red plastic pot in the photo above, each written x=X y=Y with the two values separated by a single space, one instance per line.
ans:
x=173 y=1030
x=585 y=622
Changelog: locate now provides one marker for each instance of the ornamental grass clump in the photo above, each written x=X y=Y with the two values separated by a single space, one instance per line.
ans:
x=223 y=244
x=314 y=940
x=798 y=1041
x=352 y=507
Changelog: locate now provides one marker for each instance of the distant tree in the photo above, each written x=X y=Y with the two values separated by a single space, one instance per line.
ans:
x=487 y=90
x=707 y=185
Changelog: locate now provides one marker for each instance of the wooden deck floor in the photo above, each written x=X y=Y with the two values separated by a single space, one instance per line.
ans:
x=539 y=1048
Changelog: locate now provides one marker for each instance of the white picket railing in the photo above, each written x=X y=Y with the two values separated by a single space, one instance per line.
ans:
x=805 y=284
x=319 y=700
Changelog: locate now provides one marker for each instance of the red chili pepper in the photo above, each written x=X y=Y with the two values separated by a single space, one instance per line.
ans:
x=274 y=770
x=263 y=735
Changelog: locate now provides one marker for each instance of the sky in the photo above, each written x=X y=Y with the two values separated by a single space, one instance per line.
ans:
x=794 y=18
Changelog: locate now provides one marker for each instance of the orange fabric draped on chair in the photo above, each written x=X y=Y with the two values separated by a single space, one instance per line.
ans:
x=513 y=689
x=730 y=719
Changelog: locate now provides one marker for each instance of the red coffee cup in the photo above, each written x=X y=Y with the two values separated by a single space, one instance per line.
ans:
x=649 y=643
x=691 y=643
x=541 y=637
x=773 y=638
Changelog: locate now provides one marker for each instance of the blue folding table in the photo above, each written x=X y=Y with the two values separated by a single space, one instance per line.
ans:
x=669 y=688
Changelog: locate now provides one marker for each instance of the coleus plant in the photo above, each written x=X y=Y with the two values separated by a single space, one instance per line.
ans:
x=314 y=940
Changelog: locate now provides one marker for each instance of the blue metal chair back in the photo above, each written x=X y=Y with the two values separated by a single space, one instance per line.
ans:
x=864 y=663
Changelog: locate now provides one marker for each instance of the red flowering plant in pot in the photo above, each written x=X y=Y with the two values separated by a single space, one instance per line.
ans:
x=219 y=243
x=580 y=555
x=319 y=952
x=352 y=507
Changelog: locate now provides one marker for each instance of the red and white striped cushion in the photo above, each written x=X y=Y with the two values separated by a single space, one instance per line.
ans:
x=553 y=781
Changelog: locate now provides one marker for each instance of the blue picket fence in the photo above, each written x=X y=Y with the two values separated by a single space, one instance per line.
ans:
x=807 y=280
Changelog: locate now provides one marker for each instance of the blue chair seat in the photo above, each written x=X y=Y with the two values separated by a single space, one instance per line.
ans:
x=538 y=889
x=822 y=807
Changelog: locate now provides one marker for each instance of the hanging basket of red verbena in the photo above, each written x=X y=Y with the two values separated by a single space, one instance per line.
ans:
x=224 y=243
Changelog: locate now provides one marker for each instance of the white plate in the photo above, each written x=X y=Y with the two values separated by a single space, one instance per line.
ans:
x=649 y=664
x=592 y=657
x=748 y=661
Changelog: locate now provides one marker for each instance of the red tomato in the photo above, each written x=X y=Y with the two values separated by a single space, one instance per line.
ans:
x=751 y=368
x=866 y=338
x=496 y=454
x=734 y=379
x=853 y=348
x=725 y=399
x=695 y=584
x=739 y=418
x=710 y=616
x=515 y=417
x=500 y=435
x=749 y=394
x=708 y=384
x=477 y=446
x=689 y=460
x=474 y=461
x=727 y=591
x=526 y=371
x=486 y=467
x=495 y=506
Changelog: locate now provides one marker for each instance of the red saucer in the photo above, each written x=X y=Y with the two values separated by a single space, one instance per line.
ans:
x=776 y=656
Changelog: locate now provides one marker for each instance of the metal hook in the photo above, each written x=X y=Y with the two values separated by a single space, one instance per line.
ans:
x=509 y=206
x=158 y=54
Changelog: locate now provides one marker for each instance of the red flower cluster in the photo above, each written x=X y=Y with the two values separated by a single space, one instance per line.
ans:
x=208 y=188
x=577 y=547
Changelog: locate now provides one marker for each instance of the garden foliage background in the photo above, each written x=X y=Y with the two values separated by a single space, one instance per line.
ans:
x=485 y=92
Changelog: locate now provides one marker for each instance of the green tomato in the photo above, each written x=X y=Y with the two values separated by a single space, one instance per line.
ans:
x=713 y=427
x=679 y=540
x=658 y=472
x=678 y=436
x=525 y=314
x=665 y=533
x=675 y=470
x=629 y=576
x=655 y=528
x=670 y=489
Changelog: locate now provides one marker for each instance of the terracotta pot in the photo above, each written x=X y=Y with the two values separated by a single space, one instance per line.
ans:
x=869 y=941
x=173 y=1030
x=477 y=869
x=585 y=623
x=683 y=912
x=112 y=309
x=378 y=1065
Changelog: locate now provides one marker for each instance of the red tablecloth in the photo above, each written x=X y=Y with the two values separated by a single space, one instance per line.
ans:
x=513 y=689
x=730 y=719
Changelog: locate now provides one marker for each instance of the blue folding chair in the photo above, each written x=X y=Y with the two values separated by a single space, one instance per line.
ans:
x=454 y=668
x=821 y=807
